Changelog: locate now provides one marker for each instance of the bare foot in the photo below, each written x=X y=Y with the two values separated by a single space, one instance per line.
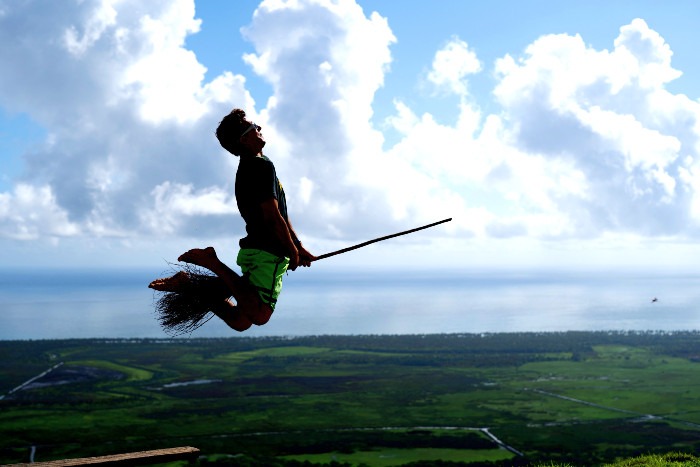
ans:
x=171 y=284
x=205 y=258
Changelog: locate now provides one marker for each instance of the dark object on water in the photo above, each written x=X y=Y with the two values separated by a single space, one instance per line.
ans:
x=186 y=310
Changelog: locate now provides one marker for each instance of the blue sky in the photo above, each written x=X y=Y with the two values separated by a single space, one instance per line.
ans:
x=554 y=134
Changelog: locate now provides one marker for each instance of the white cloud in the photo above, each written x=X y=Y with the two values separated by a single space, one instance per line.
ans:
x=452 y=64
x=164 y=75
x=102 y=18
x=647 y=50
x=607 y=115
x=324 y=60
x=126 y=108
x=587 y=142
x=29 y=213
x=175 y=202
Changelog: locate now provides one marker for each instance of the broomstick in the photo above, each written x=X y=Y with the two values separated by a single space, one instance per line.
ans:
x=369 y=242
x=185 y=311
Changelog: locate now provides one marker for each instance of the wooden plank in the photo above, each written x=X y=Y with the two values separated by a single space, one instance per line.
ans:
x=156 y=456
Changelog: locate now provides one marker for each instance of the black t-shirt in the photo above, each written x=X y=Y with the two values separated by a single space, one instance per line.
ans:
x=256 y=182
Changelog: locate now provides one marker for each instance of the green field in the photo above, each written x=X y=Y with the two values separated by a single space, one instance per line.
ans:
x=572 y=398
x=390 y=457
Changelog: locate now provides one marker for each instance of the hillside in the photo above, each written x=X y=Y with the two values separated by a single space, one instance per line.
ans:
x=500 y=399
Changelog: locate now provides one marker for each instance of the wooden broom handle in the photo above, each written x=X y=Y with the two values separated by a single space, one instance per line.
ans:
x=360 y=245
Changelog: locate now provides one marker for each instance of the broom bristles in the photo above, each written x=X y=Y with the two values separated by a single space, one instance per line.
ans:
x=189 y=308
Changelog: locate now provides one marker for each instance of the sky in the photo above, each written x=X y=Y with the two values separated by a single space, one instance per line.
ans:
x=554 y=134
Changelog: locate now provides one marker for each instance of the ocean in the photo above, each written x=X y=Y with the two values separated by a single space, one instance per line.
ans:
x=62 y=304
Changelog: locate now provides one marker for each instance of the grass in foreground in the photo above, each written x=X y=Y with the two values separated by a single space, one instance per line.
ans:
x=676 y=459
x=672 y=459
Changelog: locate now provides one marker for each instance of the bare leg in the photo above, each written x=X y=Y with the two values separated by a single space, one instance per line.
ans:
x=247 y=300
x=231 y=315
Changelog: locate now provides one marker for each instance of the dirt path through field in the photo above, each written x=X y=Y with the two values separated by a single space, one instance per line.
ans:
x=642 y=416
x=30 y=381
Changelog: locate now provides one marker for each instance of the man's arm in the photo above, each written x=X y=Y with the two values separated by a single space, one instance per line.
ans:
x=274 y=219
x=305 y=257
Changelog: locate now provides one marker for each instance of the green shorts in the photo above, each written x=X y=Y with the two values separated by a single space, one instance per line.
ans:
x=264 y=272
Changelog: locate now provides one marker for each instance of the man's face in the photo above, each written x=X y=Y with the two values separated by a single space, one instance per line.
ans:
x=252 y=138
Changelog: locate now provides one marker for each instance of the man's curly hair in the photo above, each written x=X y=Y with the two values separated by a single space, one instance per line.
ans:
x=229 y=131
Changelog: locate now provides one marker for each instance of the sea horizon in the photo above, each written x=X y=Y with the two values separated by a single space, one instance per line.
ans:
x=115 y=303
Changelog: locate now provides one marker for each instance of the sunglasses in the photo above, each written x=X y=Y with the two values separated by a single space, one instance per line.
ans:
x=252 y=126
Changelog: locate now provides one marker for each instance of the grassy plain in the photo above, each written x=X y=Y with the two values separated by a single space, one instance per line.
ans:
x=392 y=457
x=571 y=398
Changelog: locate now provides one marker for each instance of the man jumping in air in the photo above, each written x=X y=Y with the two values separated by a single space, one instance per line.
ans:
x=270 y=247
